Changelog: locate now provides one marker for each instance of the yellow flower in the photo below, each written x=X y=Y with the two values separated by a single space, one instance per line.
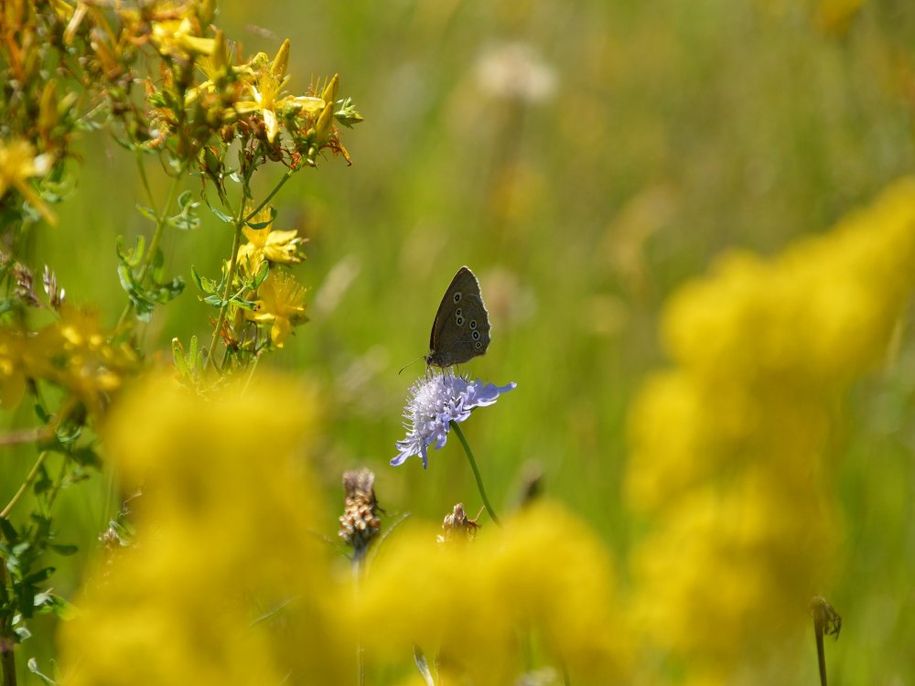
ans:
x=476 y=603
x=324 y=125
x=19 y=163
x=282 y=304
x=266 y=89
x=75 y=353
x=12 y=372
x=227 y=582
x=267 y=99
x=731 y=447
x=279 y=247
x=179 y=37
x=835 y=16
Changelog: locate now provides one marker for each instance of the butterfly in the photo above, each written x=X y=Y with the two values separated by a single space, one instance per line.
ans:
x=460 y=330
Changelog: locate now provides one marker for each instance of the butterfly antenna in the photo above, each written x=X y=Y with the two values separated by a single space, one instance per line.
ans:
x=409 y=364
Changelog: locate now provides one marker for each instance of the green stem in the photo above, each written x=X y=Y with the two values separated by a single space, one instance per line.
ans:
x=25 y=485
x=360 y=651
x=150 y=253
x=276 y=189
x=240 y=222
x=56 y=486
x=476 y=471
x=8 y=660
x=7 y=642
x=821 y=653
x=224 y=306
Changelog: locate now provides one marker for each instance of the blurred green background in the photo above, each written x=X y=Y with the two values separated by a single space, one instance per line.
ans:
x=584 y=158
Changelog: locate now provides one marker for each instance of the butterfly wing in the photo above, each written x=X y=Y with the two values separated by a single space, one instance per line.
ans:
x=461 y=327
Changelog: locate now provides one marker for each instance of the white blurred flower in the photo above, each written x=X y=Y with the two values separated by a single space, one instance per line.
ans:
x=515 y=70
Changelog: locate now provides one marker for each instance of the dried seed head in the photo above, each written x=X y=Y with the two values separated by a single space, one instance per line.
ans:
x=825 y=618
x=55 y=294
x=359 y=523
x=458 y=525
x=24 y=288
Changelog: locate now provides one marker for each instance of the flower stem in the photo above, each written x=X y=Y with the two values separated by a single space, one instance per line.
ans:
x=821 y=653
x=476 y=471
x=25 y=484
x=360 y=651
x=826 y=621
x=224 y=306
x=150 y=253
x=276 y=189
x=240 y=222
x=8 y=660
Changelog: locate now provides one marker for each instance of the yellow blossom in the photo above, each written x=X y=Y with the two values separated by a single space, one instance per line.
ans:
x=75 y=353
x=266 y=90
x=324 y=126
x=731 y=447
x=227 y=582
x=180 y=38
x=835 y=16
x=477 y=603
x=279 y=247
x=12 y=372
x=281 y=303
x=19 y=163
x=267 y=86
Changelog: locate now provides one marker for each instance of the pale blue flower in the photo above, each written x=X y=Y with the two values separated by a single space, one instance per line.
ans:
x=436 y=401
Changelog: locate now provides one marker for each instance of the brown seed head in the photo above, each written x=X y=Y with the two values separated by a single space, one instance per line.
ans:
x=359 y=523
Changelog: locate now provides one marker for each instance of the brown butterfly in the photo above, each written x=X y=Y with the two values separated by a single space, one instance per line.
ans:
x=461 y=327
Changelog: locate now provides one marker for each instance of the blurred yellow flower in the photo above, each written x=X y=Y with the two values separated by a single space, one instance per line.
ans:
x=19 y=163
x=226 y=582
x=476 y=603
x=730 y=448
x=281 y=303
x=180 y=37
x=12 y=372
x=835 y=16
x=279 y=247
x=76 y=354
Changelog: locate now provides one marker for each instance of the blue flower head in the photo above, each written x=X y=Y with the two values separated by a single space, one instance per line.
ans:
x=436 y=401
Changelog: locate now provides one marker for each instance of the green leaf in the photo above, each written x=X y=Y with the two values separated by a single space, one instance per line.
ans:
x=43 y=598
x=148 y=213
x=242 y=303
x=43 y=483
x=63 y=549
x=213 y=300
x=262 y=273
x=131 y=257
x=67 y=433
x=220 y=215
x=42 y=414
x=187 y=218
x=38 y=577
x=32 y=665
x=192 y=353
x=141 y=302
x=422 y=666
x=164 y=292
x=9 y=531
x=204 y=284
x=264 y=224
x=178 y=357
x=86 y=457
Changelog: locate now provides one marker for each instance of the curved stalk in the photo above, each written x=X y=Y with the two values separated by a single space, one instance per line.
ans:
x=476 y=471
